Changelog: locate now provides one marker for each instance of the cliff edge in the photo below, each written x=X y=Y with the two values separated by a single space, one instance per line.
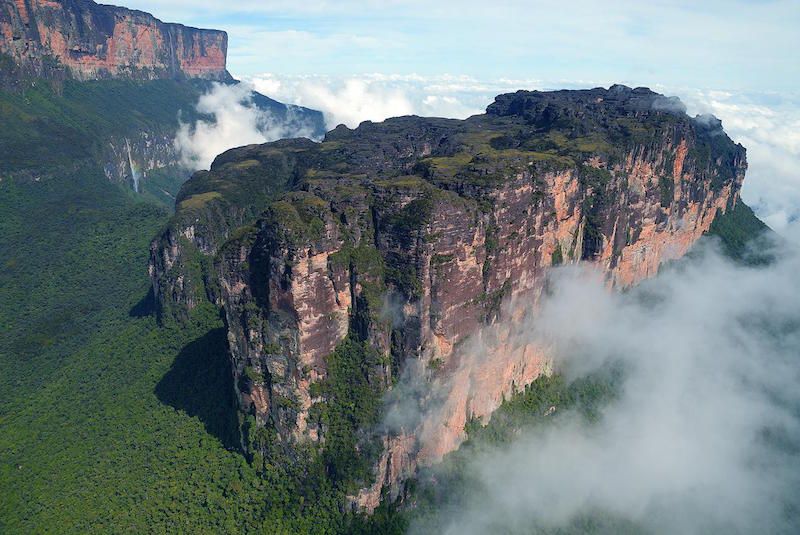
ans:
x=85 y=40
x=395 y=253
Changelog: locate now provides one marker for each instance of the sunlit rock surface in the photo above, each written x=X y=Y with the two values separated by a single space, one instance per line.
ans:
x=431 y=239
x=99 y=41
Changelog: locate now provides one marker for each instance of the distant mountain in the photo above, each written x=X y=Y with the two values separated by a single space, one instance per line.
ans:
x=89 y=41
x=102 y=87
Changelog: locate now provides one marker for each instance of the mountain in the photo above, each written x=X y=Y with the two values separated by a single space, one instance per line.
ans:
x=99 y=429
x=352 y=268
x=107 y=89
x=112 y=419
x=89 y=41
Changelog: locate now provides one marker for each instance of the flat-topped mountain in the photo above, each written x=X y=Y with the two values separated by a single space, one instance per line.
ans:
x=85 y=40
x=84 y=84
x=383 y=249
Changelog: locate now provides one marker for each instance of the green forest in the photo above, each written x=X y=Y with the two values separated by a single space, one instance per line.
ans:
x=111 y=422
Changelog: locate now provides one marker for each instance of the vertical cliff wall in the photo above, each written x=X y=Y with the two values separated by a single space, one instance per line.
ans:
x=91 y=41
x=428 y=241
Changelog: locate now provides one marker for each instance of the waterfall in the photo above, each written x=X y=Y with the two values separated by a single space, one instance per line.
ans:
x=134 y=171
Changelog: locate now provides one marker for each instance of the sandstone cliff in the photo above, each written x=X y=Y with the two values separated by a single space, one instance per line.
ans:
x=428 y=241
x=91 y=41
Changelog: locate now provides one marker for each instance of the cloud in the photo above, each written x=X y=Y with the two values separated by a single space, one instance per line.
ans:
x=704 y=436
x=374 y=97
x=354 y=101
x=669 y=104
x=768 y=125
x=237 y=121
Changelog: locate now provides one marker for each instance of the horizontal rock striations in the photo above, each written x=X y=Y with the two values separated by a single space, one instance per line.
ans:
x=93 y=41
x=417 y=237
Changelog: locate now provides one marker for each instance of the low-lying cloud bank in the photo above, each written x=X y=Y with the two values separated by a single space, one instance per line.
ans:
x=374 y=97
x=234 y=121
x=705 y=435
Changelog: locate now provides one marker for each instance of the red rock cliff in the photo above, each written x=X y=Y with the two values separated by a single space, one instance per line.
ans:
x=98 y=41
x=430 y=240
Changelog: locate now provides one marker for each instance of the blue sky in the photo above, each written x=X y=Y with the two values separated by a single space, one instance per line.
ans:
x=731 y=44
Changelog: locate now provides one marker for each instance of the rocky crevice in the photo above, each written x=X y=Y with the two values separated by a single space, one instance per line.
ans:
x=130 y=159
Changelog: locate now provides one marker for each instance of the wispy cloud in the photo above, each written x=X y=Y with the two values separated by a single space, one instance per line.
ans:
x=236 y=121
x=348 y=101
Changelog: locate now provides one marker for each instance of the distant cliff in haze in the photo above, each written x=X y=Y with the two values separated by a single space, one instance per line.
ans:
x=85 y=40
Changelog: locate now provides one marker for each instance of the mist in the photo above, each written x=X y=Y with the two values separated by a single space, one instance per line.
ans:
x=375 y=97
x=234 y=121
x=703 y=436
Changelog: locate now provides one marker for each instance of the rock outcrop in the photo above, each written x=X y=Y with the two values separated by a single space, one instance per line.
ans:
x=429 y=240
x=85 y=40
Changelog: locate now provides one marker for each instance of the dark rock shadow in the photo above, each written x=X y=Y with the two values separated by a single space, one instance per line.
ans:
x=145 y=307
x=200 y=384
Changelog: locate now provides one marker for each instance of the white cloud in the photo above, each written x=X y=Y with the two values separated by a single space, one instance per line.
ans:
x=346 y=101
x=237 y=122
x=700 y=439
x=352 y=99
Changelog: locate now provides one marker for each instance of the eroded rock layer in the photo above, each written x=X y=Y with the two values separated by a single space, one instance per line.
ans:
x=98 y=41
x=428 y=241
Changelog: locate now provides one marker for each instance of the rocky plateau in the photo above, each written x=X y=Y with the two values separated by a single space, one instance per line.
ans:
x=429 y=241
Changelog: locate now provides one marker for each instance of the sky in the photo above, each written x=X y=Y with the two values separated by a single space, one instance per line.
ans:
x=369 y=60
x=686 y=448
x=724 y=44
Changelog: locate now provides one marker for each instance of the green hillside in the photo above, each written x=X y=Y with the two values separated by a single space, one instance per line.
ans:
x=52 y=125
x=49 y=124
x=109 y=423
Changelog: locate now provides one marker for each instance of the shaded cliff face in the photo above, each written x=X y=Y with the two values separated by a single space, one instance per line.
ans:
x=428 y=241
x=98 y=41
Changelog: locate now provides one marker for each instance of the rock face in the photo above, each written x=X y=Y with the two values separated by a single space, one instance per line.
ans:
x=130 y=159
x=94 y=41
x=429 y=240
